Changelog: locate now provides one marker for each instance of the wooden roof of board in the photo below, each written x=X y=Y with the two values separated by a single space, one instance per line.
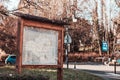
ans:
x=40 y=19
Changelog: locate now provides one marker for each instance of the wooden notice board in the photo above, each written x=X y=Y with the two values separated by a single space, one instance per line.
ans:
x=40 y=43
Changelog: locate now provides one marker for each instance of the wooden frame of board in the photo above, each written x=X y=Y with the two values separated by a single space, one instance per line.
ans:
x=26 y=22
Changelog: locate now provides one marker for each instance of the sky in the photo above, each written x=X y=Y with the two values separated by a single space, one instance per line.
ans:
x=86 y=7
x=112 y=11
x=11 y=4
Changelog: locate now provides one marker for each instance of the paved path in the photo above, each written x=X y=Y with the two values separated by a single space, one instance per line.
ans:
x=105 y=71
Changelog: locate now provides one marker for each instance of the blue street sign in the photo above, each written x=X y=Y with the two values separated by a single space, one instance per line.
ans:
x=67 y=39
x=104 y=46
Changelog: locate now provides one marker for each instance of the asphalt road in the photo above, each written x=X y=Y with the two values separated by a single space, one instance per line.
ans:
x=104 y=71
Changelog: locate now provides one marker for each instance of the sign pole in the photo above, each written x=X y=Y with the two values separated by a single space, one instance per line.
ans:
x=67 y=41
x=67 y=56
x=115 y=67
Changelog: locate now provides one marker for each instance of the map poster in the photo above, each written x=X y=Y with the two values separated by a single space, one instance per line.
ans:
x=40 y=46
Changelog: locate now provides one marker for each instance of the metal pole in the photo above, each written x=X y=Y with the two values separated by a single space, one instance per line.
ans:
x=75 y=65
x=115 y=67
x=67 y=41
x=67 y=57
x=66 y=52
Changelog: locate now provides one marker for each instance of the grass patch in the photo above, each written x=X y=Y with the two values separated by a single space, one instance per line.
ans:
x=8 y=73
x=79 y=75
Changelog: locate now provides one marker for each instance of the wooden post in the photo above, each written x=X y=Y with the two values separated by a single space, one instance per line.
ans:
x=18 y=40
x=18 y=64
x=59 y=74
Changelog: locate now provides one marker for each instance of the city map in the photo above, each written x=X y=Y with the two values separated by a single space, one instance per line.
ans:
x=40 y=46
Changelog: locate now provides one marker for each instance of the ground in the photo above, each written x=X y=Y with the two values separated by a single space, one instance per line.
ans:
x=8 y=73
x=104 y=71
x=76 y=71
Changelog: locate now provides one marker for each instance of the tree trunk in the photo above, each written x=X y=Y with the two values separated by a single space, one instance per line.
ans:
x=95 y=25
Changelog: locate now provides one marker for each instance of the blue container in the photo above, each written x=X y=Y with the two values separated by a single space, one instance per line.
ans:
x=118 y=61
x=104 y=46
